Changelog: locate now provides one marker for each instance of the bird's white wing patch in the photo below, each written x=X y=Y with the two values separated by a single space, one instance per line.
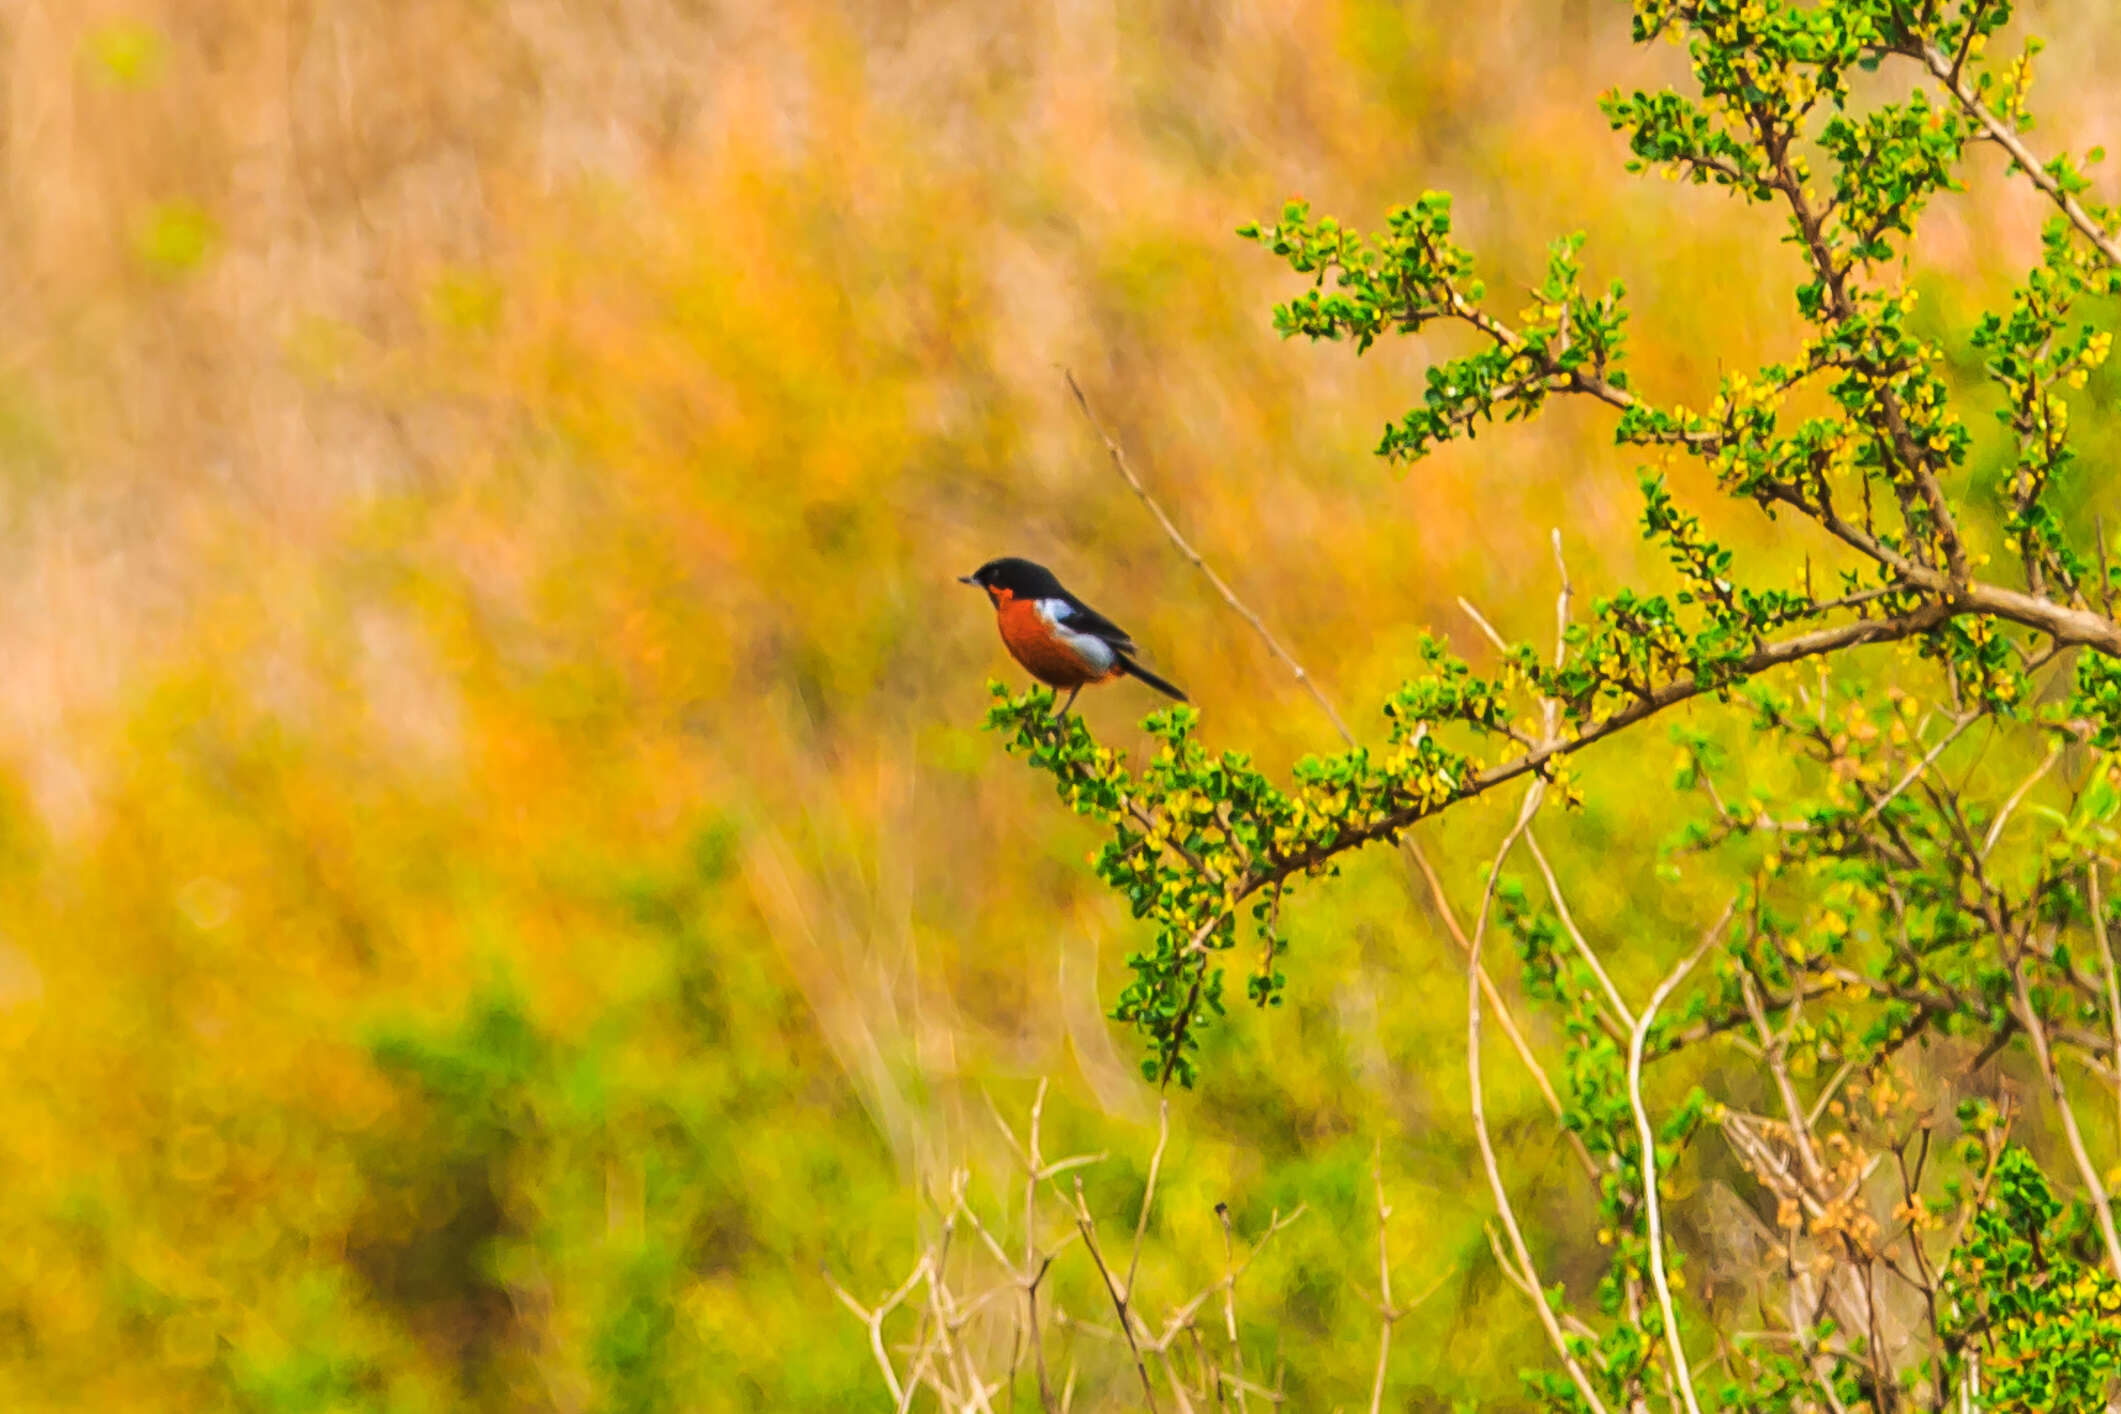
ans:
x=1092 y=649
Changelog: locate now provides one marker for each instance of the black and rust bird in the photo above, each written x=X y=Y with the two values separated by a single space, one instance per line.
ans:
x=1059 y=639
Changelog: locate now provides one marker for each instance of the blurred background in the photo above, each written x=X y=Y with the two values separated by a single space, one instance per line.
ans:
x=501 y=880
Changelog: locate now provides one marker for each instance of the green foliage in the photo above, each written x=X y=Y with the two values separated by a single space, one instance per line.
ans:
x=1882 y=910
x=2047 y=1321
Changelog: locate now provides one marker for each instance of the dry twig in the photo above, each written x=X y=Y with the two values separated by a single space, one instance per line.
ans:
x=1648 y=1136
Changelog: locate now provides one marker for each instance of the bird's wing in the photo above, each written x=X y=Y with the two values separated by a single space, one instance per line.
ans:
x=1072 y=613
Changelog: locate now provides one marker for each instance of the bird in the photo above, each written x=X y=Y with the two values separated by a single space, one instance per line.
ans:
x=1059 y=639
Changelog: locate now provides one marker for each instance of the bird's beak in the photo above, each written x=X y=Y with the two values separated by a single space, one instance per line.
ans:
x=968 y=579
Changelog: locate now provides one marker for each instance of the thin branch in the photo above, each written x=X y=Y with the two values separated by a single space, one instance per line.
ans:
x=1387 y=1315
x=1244 y=1387
x=2102 y=1206
x=1156 y=1163
x=2006 y=137
x=1502 y=1012
x=1032 y=1263
x=1182 y=1318
x=1088 y=1228
x=1561 y=602
x=1648 y=1137
x=1809 y=645
x=874 y=1320
x=2113 y=981
x=1479 y=1106
x=1995 y=829
x=2106 y=578
x=1568 y=923
x=1171 y=531
x=1222 y=1212
x=1773 y=1045
x=1914 y=773
x=1485 y=627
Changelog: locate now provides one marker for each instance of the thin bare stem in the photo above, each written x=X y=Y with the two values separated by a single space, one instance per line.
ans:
x=1171 y=532
x=1388 y=1316
x=1929 y=759
x=1181 y=1319
x=1230 y=1269
x=1156 y=1163
x=1773 y=1046
x=2113 y=980
x=1485 y=627
x=1995 y=829
x=1502 y=1012
x=2102 y=1206
x=2106 y=578
x=1032 y=1265
x=1561 y=603
x=1244 y=1387
x=874 y=1320
x=1568 y=923
x=1652 y=1209
x=1088 y=1227
x=1488 y=1160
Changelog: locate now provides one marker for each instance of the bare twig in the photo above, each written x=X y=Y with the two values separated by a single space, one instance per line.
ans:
x=2035 y=1028
x=1914 y=773
x=2113 y=980
x=1502 y=1013
x=1648 y=1137
x=2106 y=578
x=1568 y=923
x=1773 y=1046
x=1088 y=1227
x=1156 y=1163
x=1501 y=1194
x=1561 y=603
x=1388 y=1315
x=1995 y=829
x=1485 y=627
x=1222 y=1213
x=874 y=1321
x=1244 y=1387
x=1033 y=1265
x=1181 y=1319
x=1171 y=531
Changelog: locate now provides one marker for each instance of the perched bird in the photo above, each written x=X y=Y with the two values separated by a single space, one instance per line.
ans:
x=1062 y=641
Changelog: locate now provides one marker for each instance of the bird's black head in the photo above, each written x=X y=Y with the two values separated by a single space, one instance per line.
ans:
x=1012 y=578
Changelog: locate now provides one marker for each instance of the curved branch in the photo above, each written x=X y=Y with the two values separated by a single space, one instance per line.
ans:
x=1808 y=645
x=2006 y=137
x=2063 y=624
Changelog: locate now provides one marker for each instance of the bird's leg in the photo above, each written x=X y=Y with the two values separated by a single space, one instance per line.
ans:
x=1069 y=703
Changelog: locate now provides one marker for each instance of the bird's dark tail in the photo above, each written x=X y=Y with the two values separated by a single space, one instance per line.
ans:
x=1135 y=670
